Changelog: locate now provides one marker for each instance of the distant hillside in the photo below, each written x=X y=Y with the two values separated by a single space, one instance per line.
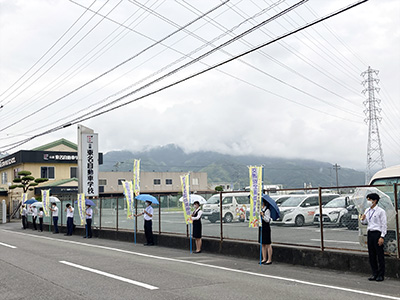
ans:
x=292 y=173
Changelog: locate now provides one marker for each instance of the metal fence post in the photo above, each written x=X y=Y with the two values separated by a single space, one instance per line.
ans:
x=101 y=210
x=321 y=218
x=159 y=215
x=220 y=218
x=396 y=207
x=116 y=225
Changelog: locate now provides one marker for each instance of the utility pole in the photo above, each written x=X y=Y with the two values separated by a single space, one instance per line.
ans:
x=337 y=168
x=372 y=112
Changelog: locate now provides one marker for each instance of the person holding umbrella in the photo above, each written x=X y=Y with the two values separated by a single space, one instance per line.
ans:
x=89 y=216
x=196 y=218
x=34 y=216
x=41 y=219
x=54 y=210
x=70 y=219
x=148 y=223
x=265 y=233
x=24 y=215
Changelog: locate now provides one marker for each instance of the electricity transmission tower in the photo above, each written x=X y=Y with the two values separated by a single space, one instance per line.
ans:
x=372 y=111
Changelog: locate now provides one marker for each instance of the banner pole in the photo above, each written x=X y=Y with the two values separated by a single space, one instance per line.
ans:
x=262 y=189
x=190 y=231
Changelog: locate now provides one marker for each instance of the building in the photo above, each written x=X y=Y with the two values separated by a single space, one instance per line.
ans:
x=110 y=183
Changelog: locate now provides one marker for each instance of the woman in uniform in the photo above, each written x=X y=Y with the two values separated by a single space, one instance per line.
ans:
x=196 y=217
x=266 y=233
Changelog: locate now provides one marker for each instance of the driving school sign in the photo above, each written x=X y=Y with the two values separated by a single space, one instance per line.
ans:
x=88 y=163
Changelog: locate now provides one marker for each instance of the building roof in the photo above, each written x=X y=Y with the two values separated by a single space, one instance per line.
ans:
x=59 y=182
x=57 y=143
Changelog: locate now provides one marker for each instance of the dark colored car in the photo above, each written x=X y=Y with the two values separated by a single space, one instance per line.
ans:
x=350 y=219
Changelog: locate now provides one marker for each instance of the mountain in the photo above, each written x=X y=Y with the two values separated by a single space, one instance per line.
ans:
x=223 y=168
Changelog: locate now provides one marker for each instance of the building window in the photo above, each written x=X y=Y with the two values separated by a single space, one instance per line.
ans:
x=16 y=173
x=104 y=182
x=157 y=181
x=73 y=172
x=4 y=178
x=168 y=181
x=101 y=189
x=120 y=181
x=47 y=172
x=195 y=181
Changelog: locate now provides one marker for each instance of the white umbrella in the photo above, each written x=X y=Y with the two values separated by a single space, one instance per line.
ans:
x=193 y=198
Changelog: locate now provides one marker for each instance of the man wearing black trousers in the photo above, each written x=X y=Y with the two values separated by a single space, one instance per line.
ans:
x=24 y=214
x=89 y=216
x=70 y=219
x=148 y=223
x=375 y=218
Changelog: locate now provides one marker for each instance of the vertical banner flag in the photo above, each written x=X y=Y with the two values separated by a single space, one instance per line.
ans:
x=185 y=196
x=24 y=197
x=128 y=192
x=255 y=195
x=82 y=208
x=136 y=177
x=46 y=201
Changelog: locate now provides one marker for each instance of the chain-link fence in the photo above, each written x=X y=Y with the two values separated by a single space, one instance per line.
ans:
x=300 y=223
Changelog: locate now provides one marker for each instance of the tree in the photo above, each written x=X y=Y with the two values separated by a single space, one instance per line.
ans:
x=219 y=188
x=26 y=182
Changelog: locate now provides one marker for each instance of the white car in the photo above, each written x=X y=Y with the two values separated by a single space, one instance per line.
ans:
x=333 y=212
x=299 y=210
x=234 y=206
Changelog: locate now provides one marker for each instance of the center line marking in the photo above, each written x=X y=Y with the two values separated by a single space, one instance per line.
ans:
x=141 y=284
x=7 y=245
x=333 y=287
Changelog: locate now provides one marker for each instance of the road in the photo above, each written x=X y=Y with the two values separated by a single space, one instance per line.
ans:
x=42 y=265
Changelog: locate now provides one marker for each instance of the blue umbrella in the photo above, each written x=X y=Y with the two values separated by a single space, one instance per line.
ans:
x=88 y=202
x=147 y=197
x=275 y=213
x=30 y=201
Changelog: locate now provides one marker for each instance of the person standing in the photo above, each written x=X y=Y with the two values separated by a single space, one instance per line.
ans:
x=148 y=223
x=34 y=216
x=70 y=219
x=24 y=215
x=375 y=218
x=41 y=219
x=196 y=218
x=265 y=233
x=89 y=216
x=54 y=210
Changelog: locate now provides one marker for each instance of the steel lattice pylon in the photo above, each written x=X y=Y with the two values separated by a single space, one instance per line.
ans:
x=372 y=111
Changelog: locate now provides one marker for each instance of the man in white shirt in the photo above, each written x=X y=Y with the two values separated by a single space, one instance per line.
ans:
x=70 y=219
x=148 y=223
x=24 y=215
x=89 y=216
x=34 y=216
x=375 y=218
x=54 y=210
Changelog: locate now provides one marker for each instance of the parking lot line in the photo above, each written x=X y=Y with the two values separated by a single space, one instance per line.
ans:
x=334 y=241
x=7 y=245
x=309 y=283
x=134 y=282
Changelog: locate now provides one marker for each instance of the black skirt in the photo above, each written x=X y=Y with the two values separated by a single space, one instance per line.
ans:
x=266 y=234
x=197 y=229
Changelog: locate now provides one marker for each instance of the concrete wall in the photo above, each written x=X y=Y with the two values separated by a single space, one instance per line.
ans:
x=341 y=261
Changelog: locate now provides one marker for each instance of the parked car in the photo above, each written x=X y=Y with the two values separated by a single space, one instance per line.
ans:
x=299 y=210
x=234 y=206
x=279 y=199
x=333 y=212
x=350 y=219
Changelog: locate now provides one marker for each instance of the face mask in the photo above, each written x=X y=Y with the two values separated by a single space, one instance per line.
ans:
x=369 y=203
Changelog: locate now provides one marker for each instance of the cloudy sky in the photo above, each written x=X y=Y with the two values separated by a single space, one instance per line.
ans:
x=299 y=97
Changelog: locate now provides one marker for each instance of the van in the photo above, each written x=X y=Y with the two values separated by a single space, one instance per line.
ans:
x=299 y=210
x=234 y=206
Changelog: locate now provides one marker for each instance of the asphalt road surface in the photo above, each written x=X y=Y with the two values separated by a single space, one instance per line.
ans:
x=41 y=265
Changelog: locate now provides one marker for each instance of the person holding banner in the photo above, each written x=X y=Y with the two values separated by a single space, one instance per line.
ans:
x=41 y=219
x=89 y=216
x=54 y=210
x=196 y=218
x=70 y=219
x=265 y=233
x=148 y=223
x=24 y=214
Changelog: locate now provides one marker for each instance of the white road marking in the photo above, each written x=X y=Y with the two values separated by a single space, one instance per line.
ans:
x=333 y=241
x=7 y=245
x=141 y=284
x=333 y=287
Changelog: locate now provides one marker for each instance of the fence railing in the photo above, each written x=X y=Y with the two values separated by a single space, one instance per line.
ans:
x=319 y=218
